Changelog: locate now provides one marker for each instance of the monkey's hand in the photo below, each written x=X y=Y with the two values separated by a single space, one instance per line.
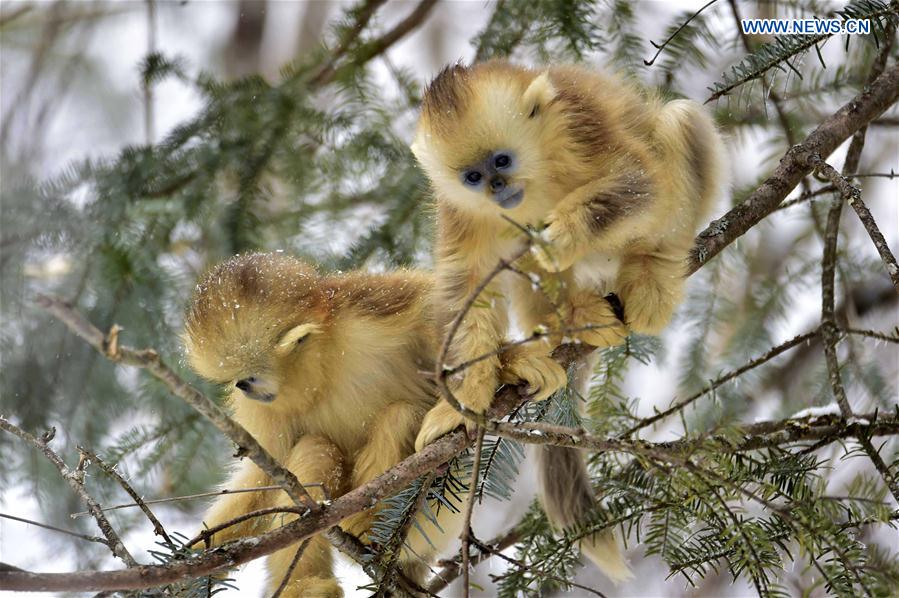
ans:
x=533 y=365
x=558 y=249
x=441 y=419
x=591 y=319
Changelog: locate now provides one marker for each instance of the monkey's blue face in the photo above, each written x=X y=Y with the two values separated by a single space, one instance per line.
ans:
x=494 y=176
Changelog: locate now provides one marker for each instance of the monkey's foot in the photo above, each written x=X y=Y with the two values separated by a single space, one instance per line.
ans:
x=533 y=366
x=312 y=587
x=592 y=320
x=648 y=307
x=441 y=419
x=358 y=524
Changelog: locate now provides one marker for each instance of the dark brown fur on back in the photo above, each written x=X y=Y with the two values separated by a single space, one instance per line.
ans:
x=393 y=294
x=586 y=124
x=629 y=195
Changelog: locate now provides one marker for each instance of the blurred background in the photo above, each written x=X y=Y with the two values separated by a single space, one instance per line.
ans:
x=144 y=141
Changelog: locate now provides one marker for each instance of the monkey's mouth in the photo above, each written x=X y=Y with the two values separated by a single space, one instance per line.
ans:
x=262 y=397
x=509 y=197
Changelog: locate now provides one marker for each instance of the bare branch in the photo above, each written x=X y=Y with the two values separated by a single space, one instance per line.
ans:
x=158 y=529
x=149 y=360
x=55 y=529
x=159 y=501
x=453 y=568
x=853 y=197
x=293 y=565
x=75 y=479
x=855 y=114
x=768 y=356
x=466 y=535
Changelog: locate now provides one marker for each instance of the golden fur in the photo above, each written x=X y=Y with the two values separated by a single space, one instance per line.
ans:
x=617 y=179
x=330 y=369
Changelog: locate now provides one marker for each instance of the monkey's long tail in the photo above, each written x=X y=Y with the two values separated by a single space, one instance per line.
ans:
x=567 y=495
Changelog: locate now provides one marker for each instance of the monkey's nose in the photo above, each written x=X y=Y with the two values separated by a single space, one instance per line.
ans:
x=244 y=385
x=497 y=184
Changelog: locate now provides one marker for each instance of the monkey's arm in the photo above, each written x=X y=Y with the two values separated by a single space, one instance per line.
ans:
x=230 y=506
x=314 y=459
x=391 y=439
x=603 y=213
x=466 y=253
x=652 y=276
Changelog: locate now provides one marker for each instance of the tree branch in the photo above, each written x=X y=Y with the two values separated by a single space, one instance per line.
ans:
x=860 y=110
x=158 y=529
x=75 y=480
x=853 y=197
x=149 y=360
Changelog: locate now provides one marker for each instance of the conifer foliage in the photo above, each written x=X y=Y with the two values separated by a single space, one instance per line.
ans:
x=770 y=460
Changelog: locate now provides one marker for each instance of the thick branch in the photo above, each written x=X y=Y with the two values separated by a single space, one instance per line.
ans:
x=860 y=110
x=754 y=436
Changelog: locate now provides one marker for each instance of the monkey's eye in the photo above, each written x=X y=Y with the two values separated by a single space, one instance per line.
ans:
x=534 y=111
x=472 y=178
x=502 y=161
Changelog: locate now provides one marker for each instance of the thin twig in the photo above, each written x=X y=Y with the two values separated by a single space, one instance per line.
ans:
x=326 y=73
x=55 y=529
x=805 y=196
x=768 y=356
x=159 y=501
x=486 y=548
x=892 y=174
x=440 y=373
x=453 y=568
x=675 y=34
x=158 y=529
x=211 y=531
x=374 y=48
x=871 y=334
x=852 y=195
x=391 y=551
x=75 y=480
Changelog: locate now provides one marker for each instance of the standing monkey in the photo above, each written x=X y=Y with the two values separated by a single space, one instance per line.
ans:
x=616 y=180
x=325 y=372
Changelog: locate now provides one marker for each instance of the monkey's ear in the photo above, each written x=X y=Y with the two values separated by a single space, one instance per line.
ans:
x=538 y=94
x=293 y=337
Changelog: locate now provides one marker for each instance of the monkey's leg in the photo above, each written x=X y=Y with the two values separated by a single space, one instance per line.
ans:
x=532 y=362
x=391 y=440
x=313 y=459
x=650 y=286
x=478 y=335
x=595 y=214
x=230 y=506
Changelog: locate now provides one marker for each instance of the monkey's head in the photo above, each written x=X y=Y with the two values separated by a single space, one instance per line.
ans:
x=252 y=321
x=485 y=136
